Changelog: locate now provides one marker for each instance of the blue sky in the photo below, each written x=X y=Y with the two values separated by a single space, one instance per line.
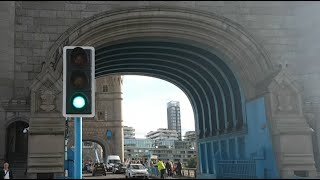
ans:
x=145 y=104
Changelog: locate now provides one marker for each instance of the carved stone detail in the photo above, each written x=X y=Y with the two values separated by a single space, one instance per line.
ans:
x=286 y=99
x=48 y=100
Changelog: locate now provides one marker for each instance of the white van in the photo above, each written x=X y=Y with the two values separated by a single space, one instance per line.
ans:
x=111 y=160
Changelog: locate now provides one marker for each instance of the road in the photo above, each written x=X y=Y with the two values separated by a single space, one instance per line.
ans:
x=108 y=176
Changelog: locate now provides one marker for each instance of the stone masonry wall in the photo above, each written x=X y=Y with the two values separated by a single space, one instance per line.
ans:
x=279 y=27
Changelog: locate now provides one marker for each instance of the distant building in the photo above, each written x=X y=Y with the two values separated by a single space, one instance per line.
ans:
x=190 y=139
x=190 y=136
x=174 y=150
x=162 y=143
x=137 y=148
x=128 y=132
x=163 y=134
x=173 y=117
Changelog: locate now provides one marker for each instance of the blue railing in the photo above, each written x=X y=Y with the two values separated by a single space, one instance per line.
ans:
x=153 y=171
x=236 y=169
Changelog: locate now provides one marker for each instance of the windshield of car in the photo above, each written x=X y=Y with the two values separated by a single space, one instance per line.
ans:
x=114 y=161
x=118 y=165
x=136 y=167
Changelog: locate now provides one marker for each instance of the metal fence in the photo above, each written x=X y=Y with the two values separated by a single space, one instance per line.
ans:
x=236 y=169
x=189 y=172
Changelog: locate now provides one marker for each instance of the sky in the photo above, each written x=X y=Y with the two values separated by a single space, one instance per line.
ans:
x=145 y=104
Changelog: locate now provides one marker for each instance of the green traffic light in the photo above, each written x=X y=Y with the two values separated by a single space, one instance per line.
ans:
x=78 y=102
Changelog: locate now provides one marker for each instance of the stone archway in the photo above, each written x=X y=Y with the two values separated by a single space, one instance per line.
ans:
x=231 y=46
x=96 y=132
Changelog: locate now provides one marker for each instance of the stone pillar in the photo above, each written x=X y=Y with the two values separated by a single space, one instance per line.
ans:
x=46 y=127
x=7 y=19
x=3 y=143
x=291 y=135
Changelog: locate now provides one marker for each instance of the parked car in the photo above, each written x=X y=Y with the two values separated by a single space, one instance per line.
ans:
x=137 y=170
x=99 y=168
x=119 y=168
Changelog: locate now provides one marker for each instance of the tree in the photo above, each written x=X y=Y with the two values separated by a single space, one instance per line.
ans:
x=192 y=162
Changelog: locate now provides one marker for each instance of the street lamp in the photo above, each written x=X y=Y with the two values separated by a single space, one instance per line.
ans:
x=25 y=130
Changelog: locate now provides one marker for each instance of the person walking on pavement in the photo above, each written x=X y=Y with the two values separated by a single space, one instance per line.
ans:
x=179 y=168
x=161 y=168
x=5 y=173
x=168 y=168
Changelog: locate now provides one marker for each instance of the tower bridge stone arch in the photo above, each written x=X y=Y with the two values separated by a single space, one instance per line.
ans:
x=199 y=52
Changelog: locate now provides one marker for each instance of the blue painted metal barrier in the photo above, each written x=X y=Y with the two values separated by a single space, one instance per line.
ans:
x=153 y=171
x=236 y=169
x=69 y=164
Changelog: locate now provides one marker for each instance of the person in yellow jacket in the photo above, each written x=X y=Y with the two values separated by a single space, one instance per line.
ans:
x=161 y=168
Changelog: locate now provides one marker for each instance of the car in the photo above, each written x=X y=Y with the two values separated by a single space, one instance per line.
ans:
x=137 y=170
x=119 y=168
x=111 y=160
x=99 y=168
x=90 y=169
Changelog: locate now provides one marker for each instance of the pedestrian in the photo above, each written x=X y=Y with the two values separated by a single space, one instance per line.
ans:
x=171 y=166
x=179 y=168
x=6 y=173
x=161 y=168
x=168 y=168
x=174 y=168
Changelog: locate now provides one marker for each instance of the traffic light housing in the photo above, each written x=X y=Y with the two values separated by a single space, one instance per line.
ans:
x=78 y=81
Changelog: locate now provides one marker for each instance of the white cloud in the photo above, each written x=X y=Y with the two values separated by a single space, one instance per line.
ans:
x=144 y=104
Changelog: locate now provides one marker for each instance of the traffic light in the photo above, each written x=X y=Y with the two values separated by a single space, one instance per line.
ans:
x=78 y=81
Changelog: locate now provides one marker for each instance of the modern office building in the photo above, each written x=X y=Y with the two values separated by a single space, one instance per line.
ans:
x=128 y=132
x=162 y=143
x=137 y=148
x=163 y=134
x=174 y=150
x=190 y=138
x=173 y=117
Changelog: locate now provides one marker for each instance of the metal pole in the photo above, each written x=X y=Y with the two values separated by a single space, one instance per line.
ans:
x=78 y=148
x=66 y=164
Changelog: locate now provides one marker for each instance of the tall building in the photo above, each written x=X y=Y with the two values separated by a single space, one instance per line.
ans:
x=128 y=132
x=174 y=118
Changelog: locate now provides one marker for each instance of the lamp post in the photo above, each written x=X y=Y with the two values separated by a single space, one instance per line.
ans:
x=25 y=131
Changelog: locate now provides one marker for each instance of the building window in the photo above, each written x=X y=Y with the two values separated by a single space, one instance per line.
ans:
x=100 y=115
x=104 y=88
